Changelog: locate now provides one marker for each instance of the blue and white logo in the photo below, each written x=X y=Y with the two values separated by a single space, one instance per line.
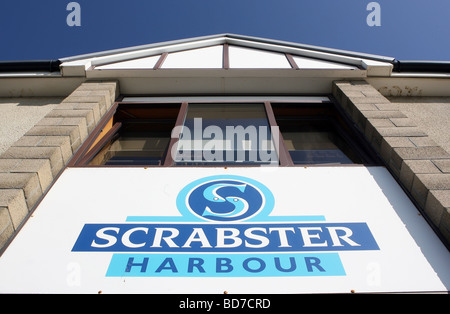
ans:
x=225 y=198
x=226 y=229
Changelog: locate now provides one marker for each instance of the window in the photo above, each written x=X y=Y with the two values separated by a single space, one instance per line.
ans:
x=225 y=133
x=314 y=134
x=221 y=131
x=136 y=135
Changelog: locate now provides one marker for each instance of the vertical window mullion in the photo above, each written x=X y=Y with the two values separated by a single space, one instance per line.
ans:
x=226 y=57
x=283 y=153
x=174 y=140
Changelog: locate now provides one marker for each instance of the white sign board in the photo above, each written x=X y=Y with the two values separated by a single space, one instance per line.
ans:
x=210 y=230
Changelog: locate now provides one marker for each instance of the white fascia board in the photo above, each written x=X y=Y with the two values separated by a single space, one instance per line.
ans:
x=377 y=68
x=75 y=68
x=225 y=85
x=302 y=99
x=221 y=73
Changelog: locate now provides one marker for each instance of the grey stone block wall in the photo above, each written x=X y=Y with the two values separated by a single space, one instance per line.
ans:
x=420 y=165
x=31 y=164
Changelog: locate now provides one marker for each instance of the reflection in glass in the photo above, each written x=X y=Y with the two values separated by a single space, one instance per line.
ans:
x=143 y=137
x=134 y=148
x=312 y=135
x=226 y=133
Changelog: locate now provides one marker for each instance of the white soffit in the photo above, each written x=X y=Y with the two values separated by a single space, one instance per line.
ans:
x=202 y=58
x=249 y=58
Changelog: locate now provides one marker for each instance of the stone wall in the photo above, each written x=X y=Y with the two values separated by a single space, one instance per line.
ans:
x=420 y=165
x=31 y=164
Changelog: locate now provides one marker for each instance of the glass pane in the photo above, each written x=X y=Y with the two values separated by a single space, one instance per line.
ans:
x=130 y=148
x=201 y=58
x=247 y=58
x=143 y=138
x=140 y=63
x=313 y=135
x=310 y=63
x=315 y=144
x=226 y=134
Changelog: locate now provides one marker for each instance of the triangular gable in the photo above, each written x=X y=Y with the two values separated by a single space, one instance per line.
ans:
x=240 y=57
x=226 y=52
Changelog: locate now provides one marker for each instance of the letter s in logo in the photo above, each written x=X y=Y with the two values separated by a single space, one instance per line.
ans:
x=224 y=198
x=213 y=194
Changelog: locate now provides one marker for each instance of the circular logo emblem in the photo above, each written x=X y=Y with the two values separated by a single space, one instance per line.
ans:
x=226 y=198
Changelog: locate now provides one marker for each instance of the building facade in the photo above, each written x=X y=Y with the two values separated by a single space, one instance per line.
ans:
x=227 y=163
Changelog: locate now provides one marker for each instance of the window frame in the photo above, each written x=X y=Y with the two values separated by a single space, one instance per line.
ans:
x=106 y=130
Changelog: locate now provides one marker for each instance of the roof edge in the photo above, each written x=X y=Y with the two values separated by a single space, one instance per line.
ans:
x=399 y=66
x=140 y=47
x=233 y=36
x=315 y=48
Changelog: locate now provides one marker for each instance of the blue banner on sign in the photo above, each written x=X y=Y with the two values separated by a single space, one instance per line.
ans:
x=256 y=237
x=229 y=265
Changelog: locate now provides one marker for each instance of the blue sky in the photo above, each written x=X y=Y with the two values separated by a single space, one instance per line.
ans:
x=410 y=29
